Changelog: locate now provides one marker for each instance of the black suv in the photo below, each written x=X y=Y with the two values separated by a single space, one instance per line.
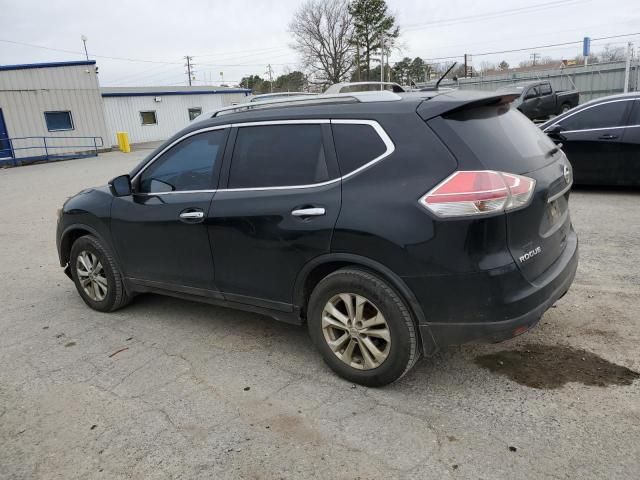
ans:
x=392 y=224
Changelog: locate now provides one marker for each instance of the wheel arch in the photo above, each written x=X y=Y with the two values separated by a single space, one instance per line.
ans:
x=318 y=268
x=71 y=234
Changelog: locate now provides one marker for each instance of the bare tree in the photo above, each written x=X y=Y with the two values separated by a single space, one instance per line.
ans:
x=322 y=34
x=612 y=54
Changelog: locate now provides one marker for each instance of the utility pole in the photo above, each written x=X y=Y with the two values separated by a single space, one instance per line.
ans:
x=190 y=71
x=358 y=59
x=627 y=68
x=270 y=73
x=468 y=69
x=84 y=42
x=534 y=57
x=381 y=61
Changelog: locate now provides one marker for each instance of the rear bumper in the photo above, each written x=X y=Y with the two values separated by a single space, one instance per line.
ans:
x=492 y=306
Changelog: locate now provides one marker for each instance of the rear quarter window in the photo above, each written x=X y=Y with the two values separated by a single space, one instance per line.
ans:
x=356 y=145
x=501 y=137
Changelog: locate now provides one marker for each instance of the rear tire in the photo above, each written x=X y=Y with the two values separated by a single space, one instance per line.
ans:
x=565 y=108
x=96 y=275
x=362 y=328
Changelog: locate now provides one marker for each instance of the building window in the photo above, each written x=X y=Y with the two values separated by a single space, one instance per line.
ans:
x=194 y=112
x=148 y=118
x=58 y=121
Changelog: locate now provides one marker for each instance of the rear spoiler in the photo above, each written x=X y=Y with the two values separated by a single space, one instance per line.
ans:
x=457 y=100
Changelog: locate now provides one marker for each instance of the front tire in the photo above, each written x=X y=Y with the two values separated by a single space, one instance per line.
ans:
x=362 y=328
x=96 y=275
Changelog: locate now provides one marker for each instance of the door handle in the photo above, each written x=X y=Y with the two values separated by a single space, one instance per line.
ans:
x=308 y=212
x=608 y=136
x=191 y=216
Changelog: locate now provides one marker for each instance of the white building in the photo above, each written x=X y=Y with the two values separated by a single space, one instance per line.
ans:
x=150 y=114
x=58 y=110
x=50 y=109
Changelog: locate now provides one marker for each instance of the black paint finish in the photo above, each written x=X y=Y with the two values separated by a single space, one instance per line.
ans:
x=608 y=154
x=249 y=251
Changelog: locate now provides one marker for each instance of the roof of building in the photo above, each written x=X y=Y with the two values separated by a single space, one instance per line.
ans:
x=178 y=90
x=27 y=66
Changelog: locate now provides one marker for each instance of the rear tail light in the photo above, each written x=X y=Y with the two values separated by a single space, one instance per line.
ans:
x=482 y=192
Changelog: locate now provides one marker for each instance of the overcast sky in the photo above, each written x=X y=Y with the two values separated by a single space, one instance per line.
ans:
x=241 y=37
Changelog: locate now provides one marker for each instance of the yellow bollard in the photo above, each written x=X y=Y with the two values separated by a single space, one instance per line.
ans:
x=123 y=142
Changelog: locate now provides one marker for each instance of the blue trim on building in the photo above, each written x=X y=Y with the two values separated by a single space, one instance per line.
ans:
x=246 y=91
x=28 y=66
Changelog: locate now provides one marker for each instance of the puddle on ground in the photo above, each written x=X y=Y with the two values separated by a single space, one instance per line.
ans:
x=551 y=366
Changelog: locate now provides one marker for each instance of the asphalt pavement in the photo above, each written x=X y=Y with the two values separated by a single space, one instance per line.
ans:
x=166 y=388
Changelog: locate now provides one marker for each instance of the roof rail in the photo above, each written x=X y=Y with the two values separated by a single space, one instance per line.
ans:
x=368 y=86
x=354 y=97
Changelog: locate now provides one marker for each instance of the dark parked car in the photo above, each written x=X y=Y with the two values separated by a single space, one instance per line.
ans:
x=392 y=224
x=601 y=138
x=537 y=100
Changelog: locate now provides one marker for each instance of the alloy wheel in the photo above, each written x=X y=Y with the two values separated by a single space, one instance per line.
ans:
x=356 y=331
x=92 y=276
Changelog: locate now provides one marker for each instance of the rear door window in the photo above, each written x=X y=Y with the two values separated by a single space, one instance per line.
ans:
x=605 y=115
x=356 y=145
x=278 y=156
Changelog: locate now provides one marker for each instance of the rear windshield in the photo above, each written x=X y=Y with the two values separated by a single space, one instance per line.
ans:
x=501 y=138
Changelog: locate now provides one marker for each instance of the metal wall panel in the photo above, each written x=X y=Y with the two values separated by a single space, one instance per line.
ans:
x=26 y=94
x=592 y=81
x=123 y=113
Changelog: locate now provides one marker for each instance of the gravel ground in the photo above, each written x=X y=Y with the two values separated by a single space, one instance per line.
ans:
x=171 y=389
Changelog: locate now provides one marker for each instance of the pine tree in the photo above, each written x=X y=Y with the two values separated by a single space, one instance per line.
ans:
x=372 y=21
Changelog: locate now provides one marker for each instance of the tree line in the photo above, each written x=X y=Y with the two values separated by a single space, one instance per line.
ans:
x=345 y=40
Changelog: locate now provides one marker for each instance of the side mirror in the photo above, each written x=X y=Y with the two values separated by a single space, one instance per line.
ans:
x=120 y=186
x=555 y=130
x=555 y=133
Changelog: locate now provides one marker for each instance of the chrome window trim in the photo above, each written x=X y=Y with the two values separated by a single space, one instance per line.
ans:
x=178 y=140
x=388 y=143
x=588 y=108
x=307 y=121
x=390 y=148
x=598 y=129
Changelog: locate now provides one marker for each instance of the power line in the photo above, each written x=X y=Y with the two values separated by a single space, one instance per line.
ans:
x=514 y=50
x=157 y=70
x=555 y=44
x=233 y=53
x=587 y=28
x=141 y=60
x=124 y=59
x=245 y=64
x=494 y=14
